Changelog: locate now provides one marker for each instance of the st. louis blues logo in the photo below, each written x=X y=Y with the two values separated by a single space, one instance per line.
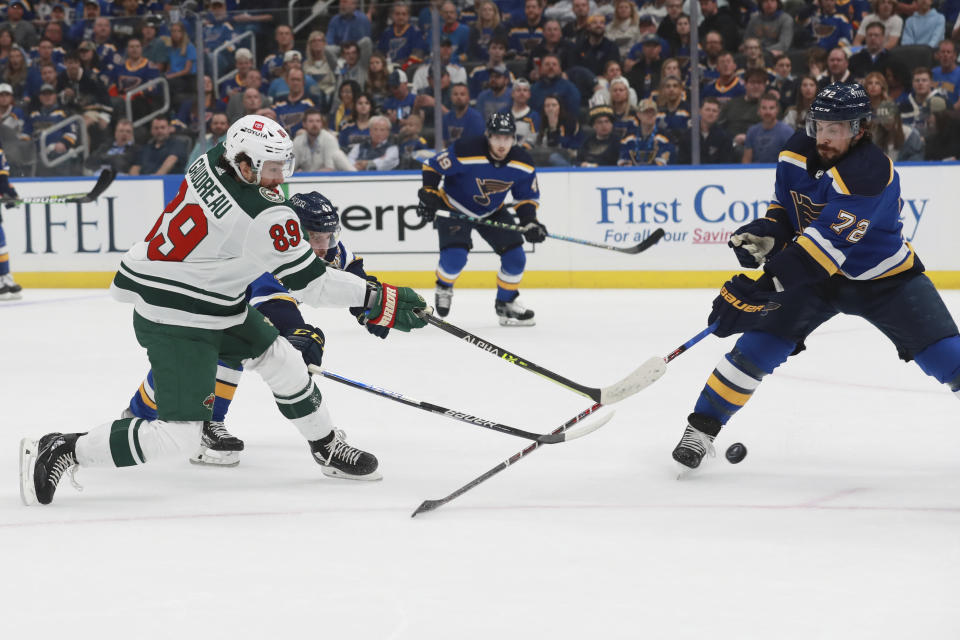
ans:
x=489 y=187
x=807 y=209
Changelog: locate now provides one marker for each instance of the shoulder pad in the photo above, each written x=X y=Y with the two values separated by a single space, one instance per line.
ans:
x=801 y=143
x=866 y=171
x=466 y=147
x=519 y=154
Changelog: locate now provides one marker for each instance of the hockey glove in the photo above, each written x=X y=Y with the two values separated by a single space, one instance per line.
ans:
x=308 y=341
x=534 y=232
x=742 y=305
x=392 y=307
x=761 y=239
x=375 y=329
x=430 y=202
x=11 y=193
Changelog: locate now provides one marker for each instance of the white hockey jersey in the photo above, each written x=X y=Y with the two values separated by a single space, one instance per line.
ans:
x=211 y=241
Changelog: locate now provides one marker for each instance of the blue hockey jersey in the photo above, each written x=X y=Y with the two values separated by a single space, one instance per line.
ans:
x=267 y=287
x=476 y=185
x=847 y=217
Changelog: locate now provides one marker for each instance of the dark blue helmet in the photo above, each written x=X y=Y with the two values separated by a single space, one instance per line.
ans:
x=501 y=123
x=839 y=102
x=317 y=214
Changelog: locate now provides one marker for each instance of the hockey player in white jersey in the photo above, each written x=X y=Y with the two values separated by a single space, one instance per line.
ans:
x=225 y=227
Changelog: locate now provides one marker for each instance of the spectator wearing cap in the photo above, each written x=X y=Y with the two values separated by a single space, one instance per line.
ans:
x=595 y=49
x=461 y=120
x=946 y=77
x=720 y=20
x=647 y=146
x=915 y=104
x=84 y=93
x=279 y=86
x=498 y=94
x=355 y=64
x=644 y=72
x=424 y=101
x=82 y=29
x=273 y=63
x=766 y=138
x=480 y=76
x=601 y=148
x=126 y=21
x=525 y=37
x=716 y=145
x=576 y=29
x=741 y=112
x=291 y=108
x=400 y=41
x=728 y=84
x=899 y=141
x=236 y=82
x=926 y=26
x=624 y=29
x=528 y=120
x=377 y=153
x=11 y=116
x=216 y=133
x=349 y=25
x=46 y=115
x=873 y=56
x=448 y=60
x=772 y=26
x=838 y=68
x=121 y=153
x=163 y=154
x=181 y=72
x=24 y=33
x=156 y=48
x=553 y=43
x=399 y=104
x=552 y=82
x=488 y=28
x=648 y=31
x=316 y=149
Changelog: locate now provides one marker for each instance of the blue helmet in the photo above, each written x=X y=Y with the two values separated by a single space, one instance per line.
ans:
x=501 y=123
x=839 y=102
x=317 y=214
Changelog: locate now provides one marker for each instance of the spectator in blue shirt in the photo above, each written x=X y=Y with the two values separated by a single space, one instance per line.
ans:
x=498 y=96
x=350 y=25
x=399 y=104
x=182 y=72
x=452 y=29
x=925 y=26
x=216 y=26
x=83 y=29
x=552 y=82
x=462 y=121
x=766 y=138
x=946 y=77
x=162 y=154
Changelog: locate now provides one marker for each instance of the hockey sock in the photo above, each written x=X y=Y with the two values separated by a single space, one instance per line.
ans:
x=4 y=256
x=512 y=264
x=452 y=262
x=134 y=441
x=738 y=374
x=941 y=360
x=143 y=404
x=227 y=380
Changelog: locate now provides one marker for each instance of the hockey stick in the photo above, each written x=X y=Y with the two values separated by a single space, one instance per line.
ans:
x=430 y=505
x=549 y=438
x=643 y=376
x=103 y=182
x=648 y=242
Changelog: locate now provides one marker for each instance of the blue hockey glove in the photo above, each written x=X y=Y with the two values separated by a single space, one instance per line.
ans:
x=308 y=341
x=759 y=240
x=534 y=231
x=742 y=305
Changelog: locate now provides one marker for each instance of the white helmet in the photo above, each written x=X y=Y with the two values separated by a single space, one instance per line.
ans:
x=262 y=140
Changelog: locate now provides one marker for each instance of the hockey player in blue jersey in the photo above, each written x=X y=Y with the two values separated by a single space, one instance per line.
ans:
x=319 y=217
x=477 y=173
x=830 y=243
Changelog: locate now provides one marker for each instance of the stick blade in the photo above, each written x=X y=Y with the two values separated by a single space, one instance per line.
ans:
x=426 y=505
x=587 y=427
x=651 y=240
x=103 y=182
x=641 y=378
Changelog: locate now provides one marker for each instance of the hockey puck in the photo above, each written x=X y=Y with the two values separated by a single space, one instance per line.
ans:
x=736 y=453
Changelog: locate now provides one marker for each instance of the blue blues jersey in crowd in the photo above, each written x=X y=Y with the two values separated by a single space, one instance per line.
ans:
x=399 y=47
x=831 y=31
x=476 y=185
x=724 y=91
x=128 y=76
x=847 y=216
x=678 y=119
x=640 y=150
x=351 y=134
x=290 y=112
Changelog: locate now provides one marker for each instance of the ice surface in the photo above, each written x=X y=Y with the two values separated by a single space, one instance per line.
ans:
x=842 y=522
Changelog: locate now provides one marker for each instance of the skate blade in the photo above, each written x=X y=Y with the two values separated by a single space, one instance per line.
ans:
x=684 y=472
x=28 y=456
x=222 y=459
x=332 y=472
x=513 y=322
x=14 y=296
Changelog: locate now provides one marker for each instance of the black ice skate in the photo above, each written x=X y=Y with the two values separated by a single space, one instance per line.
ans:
x=514 y=314
x=9 y=290
x=442 y=298
x=337 y=459
x=218 y=446
x=43 y=463
x=697 y=440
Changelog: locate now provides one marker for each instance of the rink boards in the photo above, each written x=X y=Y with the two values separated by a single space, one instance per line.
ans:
x=79 y=245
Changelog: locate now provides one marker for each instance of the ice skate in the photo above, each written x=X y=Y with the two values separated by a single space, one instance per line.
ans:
x=442 y=298
x=697 y=441
x=43 y=463
x=337 y=459
x=514 y=314
x=218 y=446
x=9 y=290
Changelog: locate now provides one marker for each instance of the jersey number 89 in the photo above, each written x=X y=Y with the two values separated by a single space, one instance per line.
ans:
x=182 y=233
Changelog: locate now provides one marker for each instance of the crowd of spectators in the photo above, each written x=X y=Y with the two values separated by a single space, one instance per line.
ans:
x=589 y=82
